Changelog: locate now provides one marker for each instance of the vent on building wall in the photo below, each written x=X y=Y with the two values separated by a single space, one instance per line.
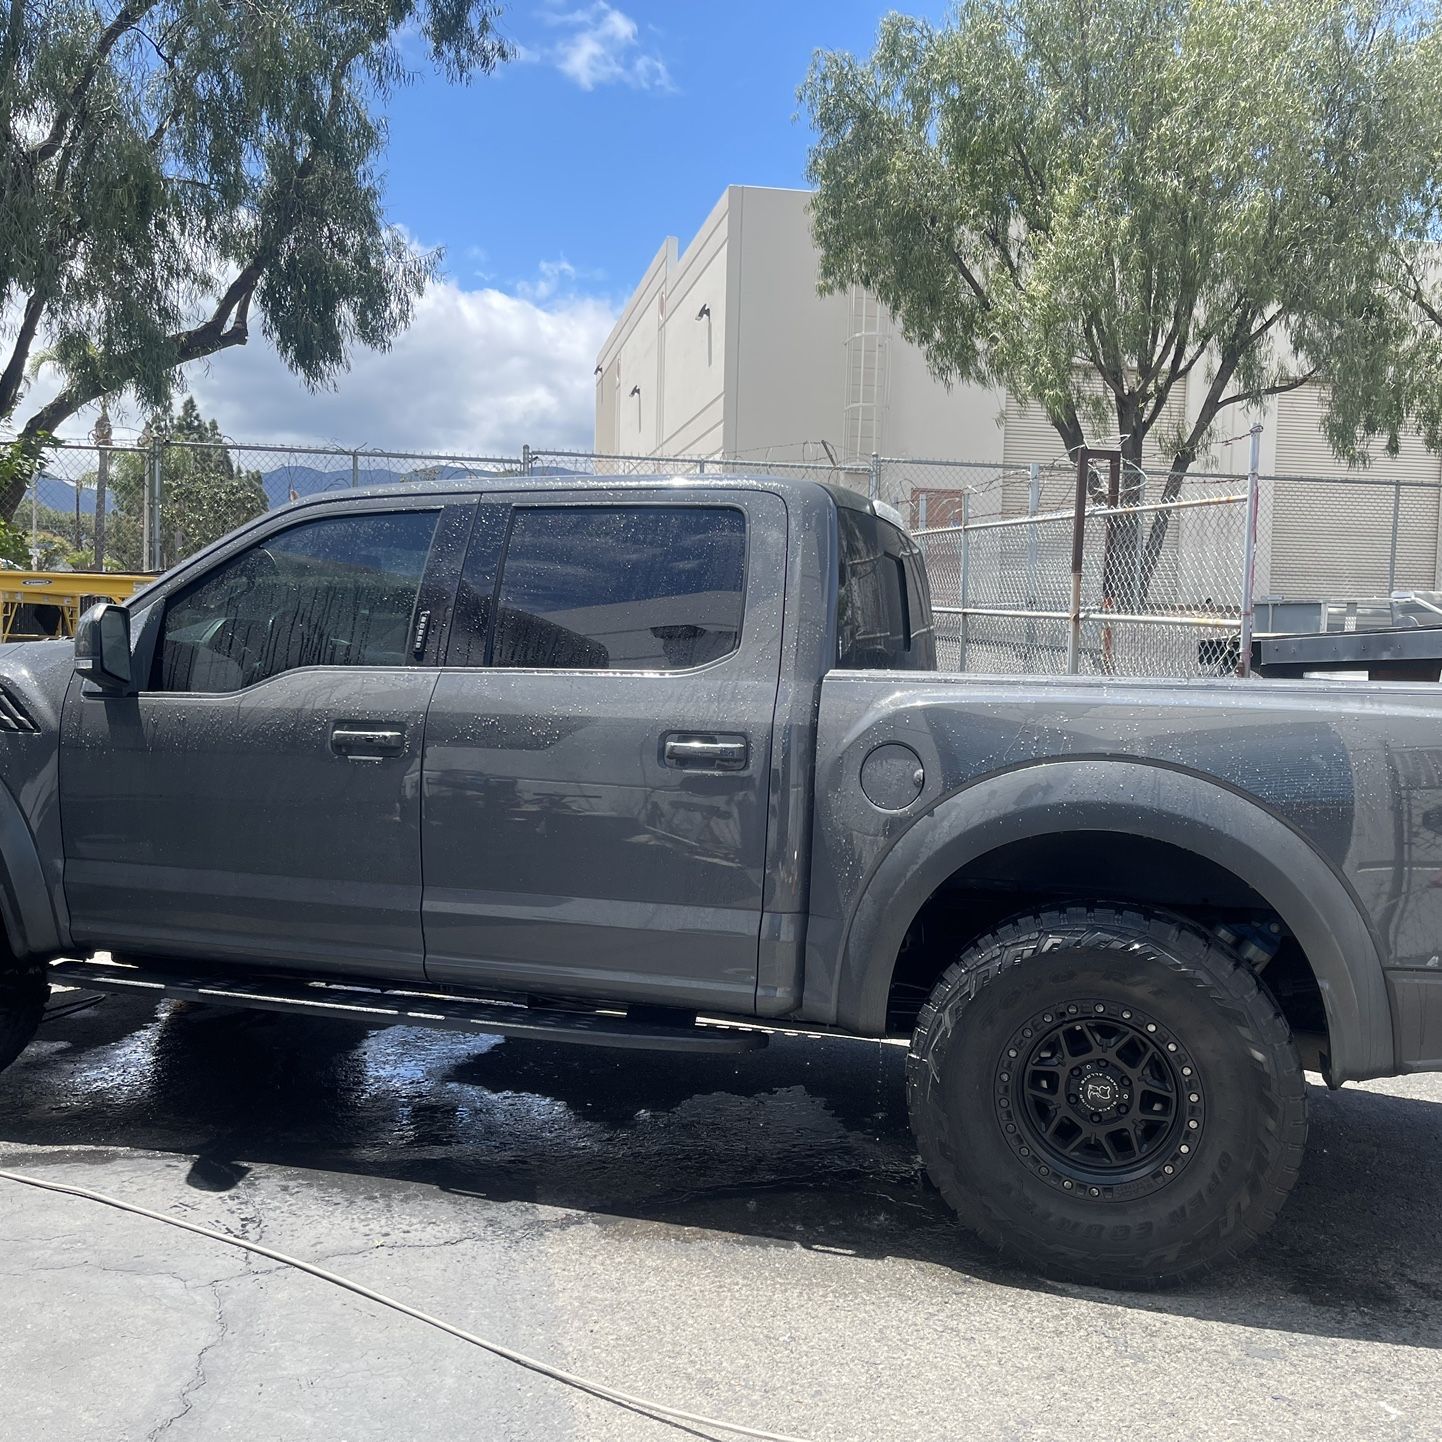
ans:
x=13 y=715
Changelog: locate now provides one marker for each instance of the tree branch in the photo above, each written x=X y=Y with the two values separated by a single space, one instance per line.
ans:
x=1417 y=295
x=74 y=104
x=1032 y=179
x=1007 y=259
x=227 y=326
x=1280 y=389
x=932 y=224
x=162 y=128
x=13 y=376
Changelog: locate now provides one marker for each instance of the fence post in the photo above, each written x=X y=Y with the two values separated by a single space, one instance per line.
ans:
x=147 y=472
x=701 y=466
x=151 y=543
x=921 y=510
x=965 y=576
x=1249 y=557
x=1033 y=506
x=1396 y=518
x=354 y=469
x=157 y=530
x=1139 y=546
x=873 y=480
x=526 y=460
x=1078 y=542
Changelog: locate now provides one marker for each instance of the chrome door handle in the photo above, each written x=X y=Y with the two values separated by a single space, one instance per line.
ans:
x=696 y=752
x=368 y=740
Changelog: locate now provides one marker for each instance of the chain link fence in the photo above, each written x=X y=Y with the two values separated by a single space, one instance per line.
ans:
x=1160 y=589
x=1146 y=579
x=144 y=508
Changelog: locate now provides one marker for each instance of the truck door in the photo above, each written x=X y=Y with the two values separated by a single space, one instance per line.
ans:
x=260 y=797
x=598 y=750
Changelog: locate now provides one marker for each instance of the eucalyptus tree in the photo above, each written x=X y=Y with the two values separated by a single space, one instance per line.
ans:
x=1145 y=216
x=172 y=170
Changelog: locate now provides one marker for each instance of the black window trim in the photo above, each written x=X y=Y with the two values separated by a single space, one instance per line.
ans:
x=567 y=501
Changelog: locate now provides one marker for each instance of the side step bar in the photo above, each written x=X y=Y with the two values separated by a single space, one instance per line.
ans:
x=398 y=1006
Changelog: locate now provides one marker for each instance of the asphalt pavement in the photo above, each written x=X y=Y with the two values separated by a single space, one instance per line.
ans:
x=747 y=1237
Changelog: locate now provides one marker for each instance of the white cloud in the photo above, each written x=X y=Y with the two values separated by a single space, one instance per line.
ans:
x=557 y=277
x=602 y=46
x=551 y=276
x=479 y=372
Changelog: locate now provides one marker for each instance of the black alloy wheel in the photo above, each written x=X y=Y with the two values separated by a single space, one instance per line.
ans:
x=1108 y=1095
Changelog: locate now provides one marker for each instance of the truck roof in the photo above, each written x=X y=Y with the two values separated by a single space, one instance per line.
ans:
x=574 y=481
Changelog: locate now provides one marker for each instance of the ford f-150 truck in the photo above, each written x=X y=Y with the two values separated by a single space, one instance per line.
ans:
x=635 y=762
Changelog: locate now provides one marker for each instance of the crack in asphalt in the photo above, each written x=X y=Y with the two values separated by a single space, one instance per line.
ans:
x=198 y=1377
x=250 y=1226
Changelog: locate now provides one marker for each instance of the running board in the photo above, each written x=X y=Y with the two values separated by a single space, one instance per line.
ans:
x=399 y=1006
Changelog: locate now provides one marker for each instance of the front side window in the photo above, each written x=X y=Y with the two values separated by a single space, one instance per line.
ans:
x=337 y=591
x=637 y=588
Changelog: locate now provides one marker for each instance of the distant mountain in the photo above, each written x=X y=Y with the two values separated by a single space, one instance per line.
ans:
x=59 y=494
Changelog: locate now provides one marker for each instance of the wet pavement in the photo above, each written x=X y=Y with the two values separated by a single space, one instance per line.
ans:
x=749 y=1237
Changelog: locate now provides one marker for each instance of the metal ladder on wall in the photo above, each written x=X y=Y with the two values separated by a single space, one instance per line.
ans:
x=867 y=376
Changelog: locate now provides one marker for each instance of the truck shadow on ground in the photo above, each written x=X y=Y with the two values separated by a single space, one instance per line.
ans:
x=804 y=1144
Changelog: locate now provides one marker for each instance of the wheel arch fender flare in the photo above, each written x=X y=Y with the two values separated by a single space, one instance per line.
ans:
x=31 y=928
x=1155 y=802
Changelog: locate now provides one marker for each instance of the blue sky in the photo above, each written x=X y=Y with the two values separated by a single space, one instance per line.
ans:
x=550 y=185
x=619 y=126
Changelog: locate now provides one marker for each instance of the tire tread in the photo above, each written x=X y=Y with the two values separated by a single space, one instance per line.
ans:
x=1194 y=956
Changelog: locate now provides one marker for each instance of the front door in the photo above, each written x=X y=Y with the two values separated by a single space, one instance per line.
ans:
x=260 y=798
x=598 y=753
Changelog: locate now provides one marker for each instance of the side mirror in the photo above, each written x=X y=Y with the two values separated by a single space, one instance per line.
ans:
x=102 y=648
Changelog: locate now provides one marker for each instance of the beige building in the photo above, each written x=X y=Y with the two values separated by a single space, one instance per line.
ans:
x=726 y=349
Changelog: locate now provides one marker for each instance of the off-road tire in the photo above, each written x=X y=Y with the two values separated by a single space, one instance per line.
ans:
x=1204 y=1183
x=22 y=1003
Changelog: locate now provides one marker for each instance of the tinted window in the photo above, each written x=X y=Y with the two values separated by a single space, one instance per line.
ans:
x=653 y=588
x=873 y=599
x=333 y=592
x=471 y=618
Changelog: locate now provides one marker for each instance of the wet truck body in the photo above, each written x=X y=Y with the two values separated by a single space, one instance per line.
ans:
x=637 y=762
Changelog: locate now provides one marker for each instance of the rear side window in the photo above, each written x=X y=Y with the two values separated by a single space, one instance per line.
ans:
x=649 y=588
x=874 y=600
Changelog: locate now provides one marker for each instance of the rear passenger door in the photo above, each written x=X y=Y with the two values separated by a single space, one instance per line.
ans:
x=598 y=747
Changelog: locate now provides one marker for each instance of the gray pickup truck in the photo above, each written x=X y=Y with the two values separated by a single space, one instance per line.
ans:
x=629 y=762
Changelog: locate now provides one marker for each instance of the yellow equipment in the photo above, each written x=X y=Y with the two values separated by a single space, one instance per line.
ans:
x=68 y=592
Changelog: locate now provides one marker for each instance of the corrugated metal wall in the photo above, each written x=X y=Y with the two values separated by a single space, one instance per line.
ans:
x=1333 y=539
x=1030 y=438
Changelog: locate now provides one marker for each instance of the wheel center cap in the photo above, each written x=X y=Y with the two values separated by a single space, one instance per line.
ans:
x=1099 y=1092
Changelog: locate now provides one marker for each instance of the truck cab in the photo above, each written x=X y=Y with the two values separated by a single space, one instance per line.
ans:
x=551 y=740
